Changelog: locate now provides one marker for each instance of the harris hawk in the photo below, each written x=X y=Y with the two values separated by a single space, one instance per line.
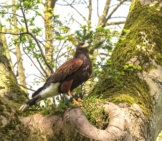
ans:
x=66 y=78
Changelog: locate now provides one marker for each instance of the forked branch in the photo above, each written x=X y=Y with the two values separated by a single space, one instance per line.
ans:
x=74 y=118
x=114 y=131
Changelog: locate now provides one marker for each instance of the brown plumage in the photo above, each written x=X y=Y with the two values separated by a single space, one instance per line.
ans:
x=66 y=78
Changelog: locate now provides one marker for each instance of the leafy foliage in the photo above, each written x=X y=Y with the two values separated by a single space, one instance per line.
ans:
x=30 y=38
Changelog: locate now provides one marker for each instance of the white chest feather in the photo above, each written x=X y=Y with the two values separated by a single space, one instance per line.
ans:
x=51 y=90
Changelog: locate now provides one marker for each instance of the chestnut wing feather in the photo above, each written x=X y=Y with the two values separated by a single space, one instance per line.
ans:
x=68 y=68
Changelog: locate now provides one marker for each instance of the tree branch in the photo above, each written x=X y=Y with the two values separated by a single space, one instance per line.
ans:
x=53 y=2
x=102 y=19
x=11 y=14
x=39 y=46
x=75 y=10
x=114 y=131
x=36 y=66
x=90 y=13
x=26 y=87
x=37 y=42
x=35 y=39
x=98 y=9
x=112 y=12
x=115 y=23
x=74 y=119
x=25 y=21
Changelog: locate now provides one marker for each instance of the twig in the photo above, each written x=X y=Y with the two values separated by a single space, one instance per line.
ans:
x=102 y=19
x=112 y=12
x=12 y=14
x=26 y=87
x=34 y=64
x=75 y=10
x=98 y=9
x=90 y=13
x=35 y=39
x=115 y=23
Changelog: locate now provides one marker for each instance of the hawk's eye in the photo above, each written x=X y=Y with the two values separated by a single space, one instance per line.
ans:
x=81 y=44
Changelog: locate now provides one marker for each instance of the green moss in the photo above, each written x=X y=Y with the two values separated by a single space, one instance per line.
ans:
x=141 y=41
x=17 y=95
x=13 y=124
x=7 y=133
x=126 y=98
x=127 y=88
x=51 y=109
x=141 y=37
x=134 y=90
x=95 y=112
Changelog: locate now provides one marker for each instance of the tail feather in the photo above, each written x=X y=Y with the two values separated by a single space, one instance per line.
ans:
x=24 y=107
x=37 y=91
x=29 y=103
x=40 y=94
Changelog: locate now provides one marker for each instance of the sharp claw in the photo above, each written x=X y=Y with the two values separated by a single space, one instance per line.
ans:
x=77 y=103
x=23 y=108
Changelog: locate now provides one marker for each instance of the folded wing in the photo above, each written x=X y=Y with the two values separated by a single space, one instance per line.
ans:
x=63 y=72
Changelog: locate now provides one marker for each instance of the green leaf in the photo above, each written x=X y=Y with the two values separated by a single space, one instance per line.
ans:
x=139 y=68
x=130 y=65
x=126 y=67
x=126 y=30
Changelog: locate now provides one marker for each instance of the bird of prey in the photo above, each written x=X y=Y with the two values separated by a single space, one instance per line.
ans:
x=66 y=78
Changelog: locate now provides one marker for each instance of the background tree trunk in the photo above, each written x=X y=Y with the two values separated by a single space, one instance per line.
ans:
x=20 y=67
x=135 y=87
x=49 y=32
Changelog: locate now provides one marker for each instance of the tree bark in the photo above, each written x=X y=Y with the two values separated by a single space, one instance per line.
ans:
x=139 y=46
x=7 y=52
x=49 y=32
x=20 y=67
x=132 y=81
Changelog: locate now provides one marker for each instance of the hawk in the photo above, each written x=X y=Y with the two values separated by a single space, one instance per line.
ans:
x=66 y=78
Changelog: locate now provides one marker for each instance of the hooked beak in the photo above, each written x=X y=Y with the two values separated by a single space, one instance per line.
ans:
x=85 y=45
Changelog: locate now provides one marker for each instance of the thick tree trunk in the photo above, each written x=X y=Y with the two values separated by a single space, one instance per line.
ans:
x=139 y=47
x=136 y=91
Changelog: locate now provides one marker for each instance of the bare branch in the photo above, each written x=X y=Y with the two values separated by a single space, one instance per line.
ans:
x=58 y=54
x=12 y=33
x=112 y=12
x=98 y=9
x=117 y=17
x=76 y=21
x=44 y=59
x=75 y=10
x=115 y=23
x=35 y=65
x=35 y=39
x=7 y=13
x=42 y=67
x=37 y=42
x=26 y=87
x=25 y=21
x=102 y=19
x=90 y=13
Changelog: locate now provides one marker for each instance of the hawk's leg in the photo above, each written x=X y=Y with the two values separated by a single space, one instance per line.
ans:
x=75 y=102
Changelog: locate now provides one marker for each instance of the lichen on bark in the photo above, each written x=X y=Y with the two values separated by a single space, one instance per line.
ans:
x=139 y=44
x=9 y=99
